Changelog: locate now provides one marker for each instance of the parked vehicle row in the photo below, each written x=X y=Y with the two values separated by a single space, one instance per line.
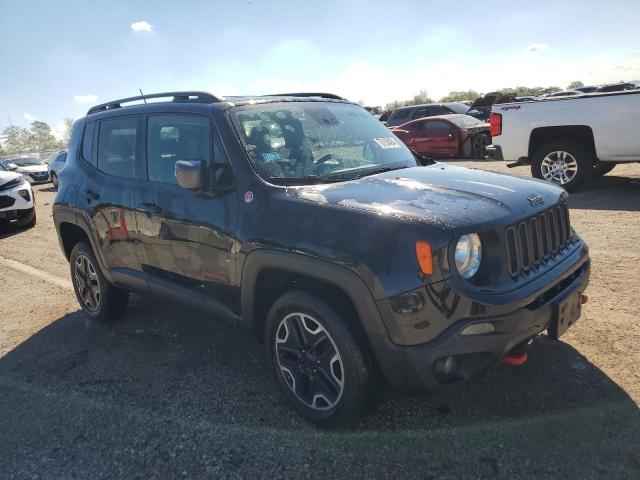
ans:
x=32 y=169
x=302 y=220
x=17 y=203
x=567 y=140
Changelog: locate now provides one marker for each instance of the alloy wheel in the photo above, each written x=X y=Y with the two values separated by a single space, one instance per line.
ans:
x=559 y=167
x=309 y=361
x=87 y=283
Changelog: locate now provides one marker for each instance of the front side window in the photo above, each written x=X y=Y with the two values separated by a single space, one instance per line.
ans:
x=176 y=137
x=62 y=158
x=437 y=125
x=117 y=147
x=317 y=141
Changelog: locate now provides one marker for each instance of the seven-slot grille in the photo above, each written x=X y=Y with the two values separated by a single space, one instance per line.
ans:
x=534 y=240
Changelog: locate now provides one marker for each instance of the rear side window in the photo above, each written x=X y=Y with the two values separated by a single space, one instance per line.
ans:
x=421 y=112
x=87 y=143
x=117 y=147
x=62 y=158
x=176 y=137
x=437 y=125
x=400 y=114
x=438 y=110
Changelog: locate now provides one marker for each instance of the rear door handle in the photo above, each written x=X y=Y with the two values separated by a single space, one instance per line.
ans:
x=90 y=194
x=148 y=207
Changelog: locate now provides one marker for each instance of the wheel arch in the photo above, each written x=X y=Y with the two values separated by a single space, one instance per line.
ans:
x=580 y=134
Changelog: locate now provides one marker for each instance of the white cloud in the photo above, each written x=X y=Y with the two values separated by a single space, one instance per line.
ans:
x=536 y=47
x=85 y=98
x=29 y=118
x=59 y=130
x=141 y=26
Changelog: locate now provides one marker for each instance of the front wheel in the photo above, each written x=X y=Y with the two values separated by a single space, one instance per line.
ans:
x=563 y=163
x=98 y=298
x=479 y=145
x=322 y=370
x=54 y=180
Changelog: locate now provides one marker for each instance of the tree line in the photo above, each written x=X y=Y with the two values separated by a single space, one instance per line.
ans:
x=37 y=138
x=471 y=95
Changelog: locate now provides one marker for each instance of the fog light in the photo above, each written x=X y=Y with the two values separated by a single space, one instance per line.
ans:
x=479 y=329
x=407 y=302
x=446 y=366
x=24 y=194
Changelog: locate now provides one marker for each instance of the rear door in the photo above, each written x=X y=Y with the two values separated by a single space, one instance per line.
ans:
x=186 y=237
x=112 y=165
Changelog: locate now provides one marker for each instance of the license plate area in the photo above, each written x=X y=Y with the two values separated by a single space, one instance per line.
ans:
x=566 y=313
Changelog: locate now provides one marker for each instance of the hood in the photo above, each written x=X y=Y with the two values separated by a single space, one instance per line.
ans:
x=440 y=195
x=6 y=177
x=32 y=168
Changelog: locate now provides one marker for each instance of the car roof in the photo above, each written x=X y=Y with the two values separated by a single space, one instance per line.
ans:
x=200 y=100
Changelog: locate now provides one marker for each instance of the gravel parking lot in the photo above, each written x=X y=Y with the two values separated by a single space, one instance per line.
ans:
x=161 y=393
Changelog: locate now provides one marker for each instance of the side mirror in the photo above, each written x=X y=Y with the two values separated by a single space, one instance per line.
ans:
x=12 y=166
x=191 y=174
x=423 y=160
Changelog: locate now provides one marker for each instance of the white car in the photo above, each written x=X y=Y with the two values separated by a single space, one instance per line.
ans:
x=55 y=167
x=17 y=203
x=568 y=140
x=33 y=169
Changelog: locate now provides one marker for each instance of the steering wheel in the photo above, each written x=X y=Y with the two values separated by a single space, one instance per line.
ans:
x=324 y=158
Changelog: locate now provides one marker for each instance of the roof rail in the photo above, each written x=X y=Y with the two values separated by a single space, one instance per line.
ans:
x=179 y=97
x=309 y=94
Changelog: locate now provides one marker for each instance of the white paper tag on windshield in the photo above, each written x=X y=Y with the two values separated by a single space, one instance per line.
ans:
x=387 y=142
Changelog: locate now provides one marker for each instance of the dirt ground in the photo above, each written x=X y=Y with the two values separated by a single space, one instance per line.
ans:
x=161 y=393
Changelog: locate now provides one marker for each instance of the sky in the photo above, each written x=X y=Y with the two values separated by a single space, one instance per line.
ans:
x=58 y=58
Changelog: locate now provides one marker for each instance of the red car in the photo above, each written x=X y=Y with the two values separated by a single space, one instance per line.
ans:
x=446 y=136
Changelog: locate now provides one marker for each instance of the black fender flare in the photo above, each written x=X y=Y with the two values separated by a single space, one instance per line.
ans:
x=337 y=275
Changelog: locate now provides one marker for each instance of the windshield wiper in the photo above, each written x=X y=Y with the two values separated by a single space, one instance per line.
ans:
x=308 y=180
x=375 y=171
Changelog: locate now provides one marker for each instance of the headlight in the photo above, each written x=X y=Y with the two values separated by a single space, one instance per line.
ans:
x=468 y=255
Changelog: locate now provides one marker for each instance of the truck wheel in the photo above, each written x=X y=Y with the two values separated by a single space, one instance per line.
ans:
x=600 y=169
x=563 y=163
x=324 y=373
x=98 y=298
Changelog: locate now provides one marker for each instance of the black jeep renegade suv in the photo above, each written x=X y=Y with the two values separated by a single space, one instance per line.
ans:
x=301 y=219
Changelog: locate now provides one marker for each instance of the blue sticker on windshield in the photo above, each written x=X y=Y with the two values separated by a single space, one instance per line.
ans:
x=271 y=156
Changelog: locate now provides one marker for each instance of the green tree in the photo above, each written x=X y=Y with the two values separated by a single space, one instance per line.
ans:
x=66 y=131
x=421 y=97
x=41 y=136
x=16 y=139
x=575 y=84
x=460 y=96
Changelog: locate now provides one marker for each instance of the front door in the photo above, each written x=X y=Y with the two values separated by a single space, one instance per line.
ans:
x=186 y=237
x=436 y=138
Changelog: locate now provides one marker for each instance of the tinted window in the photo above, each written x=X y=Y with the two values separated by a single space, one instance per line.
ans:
x=117 y=147
x=437 y=125
x=400 y=114
x=176 y=137
x=62 y=158
x=438 y=110
x=458 y=107
x=87 y=143
x=421 y=112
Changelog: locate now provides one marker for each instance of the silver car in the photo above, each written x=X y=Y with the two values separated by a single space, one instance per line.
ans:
x=32 y=169
x=55 y=167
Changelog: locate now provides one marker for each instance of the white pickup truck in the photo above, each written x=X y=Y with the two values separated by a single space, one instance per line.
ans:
x=568 y=140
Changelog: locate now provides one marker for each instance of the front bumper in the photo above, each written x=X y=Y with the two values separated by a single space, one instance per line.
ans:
x=36 y=178
x=413 y=368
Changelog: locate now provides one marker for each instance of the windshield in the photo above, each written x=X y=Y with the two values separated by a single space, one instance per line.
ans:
x=458 y=107
x=466 y=121
x=317 y=141
x=23 y=162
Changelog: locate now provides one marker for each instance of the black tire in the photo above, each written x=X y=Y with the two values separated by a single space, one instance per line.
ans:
x=576 y=153
x=342 y=357
x=600 y=169
x=32 y=222
x=54 y=180
x=479 y=145
x=104 y=302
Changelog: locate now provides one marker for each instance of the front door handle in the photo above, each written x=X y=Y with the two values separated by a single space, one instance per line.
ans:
x=91 y=195
x=148 y=207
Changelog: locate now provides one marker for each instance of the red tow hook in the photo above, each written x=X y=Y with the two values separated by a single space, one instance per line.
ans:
x=584 y=299
x=516 y=357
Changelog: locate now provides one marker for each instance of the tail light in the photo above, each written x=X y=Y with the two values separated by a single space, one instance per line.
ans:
x=495 y=120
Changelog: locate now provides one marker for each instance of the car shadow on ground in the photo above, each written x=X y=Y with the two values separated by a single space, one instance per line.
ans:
x=608 y=193
x=159 y=365
x=9 y=230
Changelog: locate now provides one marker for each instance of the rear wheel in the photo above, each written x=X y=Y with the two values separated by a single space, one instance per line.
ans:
x=98 y=298
x=563 y=163
x=322 y=370
x=600 y=169
x=54 y=179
